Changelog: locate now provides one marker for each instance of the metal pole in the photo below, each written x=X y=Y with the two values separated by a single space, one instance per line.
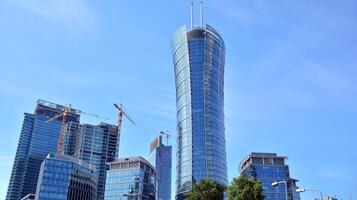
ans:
x=304 y=190
x=192 y=15
x=201 y=5
x=286 y=190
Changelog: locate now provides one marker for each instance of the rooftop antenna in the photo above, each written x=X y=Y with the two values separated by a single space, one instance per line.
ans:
x=201 y=8
x=191 y=15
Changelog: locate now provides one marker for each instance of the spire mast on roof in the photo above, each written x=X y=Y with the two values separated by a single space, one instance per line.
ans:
x=201 y=13
x=192 y=25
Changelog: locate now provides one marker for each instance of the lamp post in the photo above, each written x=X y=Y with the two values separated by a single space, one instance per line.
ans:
x=304 y=190
x=276 y=183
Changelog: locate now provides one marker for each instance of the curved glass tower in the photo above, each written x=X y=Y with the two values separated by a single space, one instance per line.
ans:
x=198 y=57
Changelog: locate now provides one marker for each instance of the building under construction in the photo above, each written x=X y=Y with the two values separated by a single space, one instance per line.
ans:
x=95 y=144
x=37 y=139
x=56 y=128
x=161 y=158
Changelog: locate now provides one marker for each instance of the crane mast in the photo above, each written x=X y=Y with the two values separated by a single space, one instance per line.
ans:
x=67 y=111
x=121 y=113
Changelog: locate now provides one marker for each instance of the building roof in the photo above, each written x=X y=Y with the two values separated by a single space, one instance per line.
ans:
x=130 y=162
x=70 y=159
x=50 y=105
x=260 y=155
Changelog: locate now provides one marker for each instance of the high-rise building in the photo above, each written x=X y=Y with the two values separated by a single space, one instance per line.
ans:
x=70 y=134
x=130 y=178
x=198 y=57
x=269 y=168
x=96 y=145
x=37 y=138
x=63 y=177
x=161 y=158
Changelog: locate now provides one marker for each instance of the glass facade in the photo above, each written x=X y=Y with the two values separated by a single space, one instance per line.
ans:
x=68 y=139
x=198 y=57
x=161 y=158
x=97 y=146
x=66 y=178
x=269 y=168
x=130 y=178
x=37 y=139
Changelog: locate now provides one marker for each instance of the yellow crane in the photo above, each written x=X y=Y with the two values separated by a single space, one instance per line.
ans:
x=121 y=113
x=65 y=115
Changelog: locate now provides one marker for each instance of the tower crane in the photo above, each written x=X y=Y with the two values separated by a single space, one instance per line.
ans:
x=166 y=133
x=121 y=113
x=67 y=113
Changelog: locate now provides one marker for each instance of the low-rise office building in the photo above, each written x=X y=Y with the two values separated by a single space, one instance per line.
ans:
x=269 y=168
x=63 y=177
x=130 y=178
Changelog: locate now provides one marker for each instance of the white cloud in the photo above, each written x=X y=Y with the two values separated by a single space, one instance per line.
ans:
x=71 y=13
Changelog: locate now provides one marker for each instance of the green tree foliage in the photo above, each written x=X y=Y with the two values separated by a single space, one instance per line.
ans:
x=206 y=189
x=244 y=188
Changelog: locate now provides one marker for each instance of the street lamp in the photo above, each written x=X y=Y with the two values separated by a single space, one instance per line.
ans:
x=304 y=190
x=276 y=183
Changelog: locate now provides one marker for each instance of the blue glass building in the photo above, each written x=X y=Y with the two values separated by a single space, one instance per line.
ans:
x=69 y=138
x=161 y=158
x=37 y=139
x=96 y=145
x=269 y=168
x=198 y=56
x=130 y=178
x=64 y=177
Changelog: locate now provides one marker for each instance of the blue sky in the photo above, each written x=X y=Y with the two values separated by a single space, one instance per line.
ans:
x=290 y=83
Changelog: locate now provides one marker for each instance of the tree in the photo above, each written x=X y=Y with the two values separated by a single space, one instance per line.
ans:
x=244 y=188
x=206 y=189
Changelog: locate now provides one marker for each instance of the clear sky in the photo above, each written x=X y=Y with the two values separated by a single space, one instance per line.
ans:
x=290 y=82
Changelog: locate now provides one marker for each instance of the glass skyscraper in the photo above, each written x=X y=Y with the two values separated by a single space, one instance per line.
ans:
x=130 y=178
x=269 y=168
x=69 y=138
x=96 y=145
x=161 y=158
x=37 y=139
x=199 y=56
x=63 y=177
